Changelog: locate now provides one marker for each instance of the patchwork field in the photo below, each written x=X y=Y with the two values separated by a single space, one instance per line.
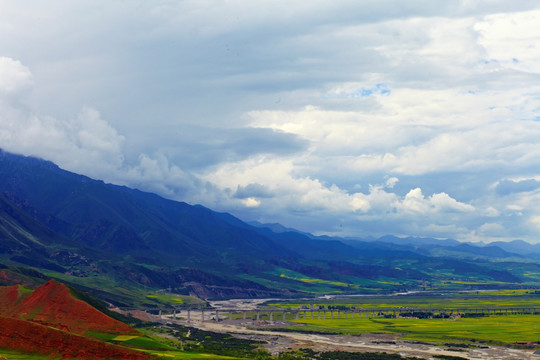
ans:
x=494 y=328
x=519 y=298
x=474 y=328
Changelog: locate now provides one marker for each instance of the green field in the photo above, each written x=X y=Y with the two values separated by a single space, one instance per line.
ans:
x=125 y=293
x=519 y=298
x=495 y=328
x=188 y=355
x=15 y=355
x=168 y=344
x=501 y=328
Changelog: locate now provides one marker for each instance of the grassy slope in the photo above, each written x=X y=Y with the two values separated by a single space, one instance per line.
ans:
x=146 y=342
x=17 y=355
x=168 y=348
x=169 y=233
x=125 y=293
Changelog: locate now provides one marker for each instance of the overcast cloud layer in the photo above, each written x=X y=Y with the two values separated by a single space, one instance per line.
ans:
x=350 y=118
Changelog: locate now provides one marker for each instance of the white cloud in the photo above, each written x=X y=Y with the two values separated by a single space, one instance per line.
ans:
x=491 y=212
x=293 y=194
x=514 y=207
x=416 y=132
x=359 y=202
x=491 y=229
x=85 y=144
x=535 y=220
x=14 y=77
x=511 y=40
x=94 y=133
x=416 y=202
x=443 y=202
x=391 y=182
x=251 y=202
x=155 y=173
x=87 y=140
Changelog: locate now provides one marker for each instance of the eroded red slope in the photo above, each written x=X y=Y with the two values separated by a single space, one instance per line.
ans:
x=30 y=337
x=9 y=297
x=52 y=304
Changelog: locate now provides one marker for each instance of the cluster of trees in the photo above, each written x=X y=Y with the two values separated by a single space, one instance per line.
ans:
x=328 y=307
x=430 y=315
x=196 y=340
x=308 y=354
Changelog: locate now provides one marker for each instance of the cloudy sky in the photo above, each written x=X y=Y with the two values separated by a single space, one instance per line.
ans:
x=346 y=117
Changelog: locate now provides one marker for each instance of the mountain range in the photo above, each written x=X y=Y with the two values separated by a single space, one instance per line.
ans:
x=103 y=238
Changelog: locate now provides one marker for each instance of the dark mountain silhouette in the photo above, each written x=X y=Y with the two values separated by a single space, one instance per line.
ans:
x=21 y=233
x=137 y=220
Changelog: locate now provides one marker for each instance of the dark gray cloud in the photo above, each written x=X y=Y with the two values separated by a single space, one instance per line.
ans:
x=196 y=147
x=253 y=190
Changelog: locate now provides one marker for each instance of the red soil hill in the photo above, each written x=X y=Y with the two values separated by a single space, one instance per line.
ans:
x=9 y=297
x=30 y=337
x=27 y=324
x=52 y=304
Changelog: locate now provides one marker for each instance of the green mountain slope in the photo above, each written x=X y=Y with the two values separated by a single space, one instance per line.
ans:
x=104 y=237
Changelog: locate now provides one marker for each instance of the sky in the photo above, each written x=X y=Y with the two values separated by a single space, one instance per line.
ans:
x=347 y=118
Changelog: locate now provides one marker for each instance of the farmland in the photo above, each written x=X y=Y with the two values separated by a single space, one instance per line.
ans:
x=491 y=329
x=458 y=300
x=473 y=327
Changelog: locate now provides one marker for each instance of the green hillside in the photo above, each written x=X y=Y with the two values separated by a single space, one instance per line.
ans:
x=123 y=245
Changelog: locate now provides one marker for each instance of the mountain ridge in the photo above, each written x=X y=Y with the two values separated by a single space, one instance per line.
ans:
x=89 y=229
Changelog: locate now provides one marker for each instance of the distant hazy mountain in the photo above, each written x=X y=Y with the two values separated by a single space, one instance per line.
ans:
x=274 y=227
x=519 y=247
x=419 y=245
x=417 y=241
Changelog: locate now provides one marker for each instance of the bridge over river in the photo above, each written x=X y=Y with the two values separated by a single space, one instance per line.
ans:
x=221 y=314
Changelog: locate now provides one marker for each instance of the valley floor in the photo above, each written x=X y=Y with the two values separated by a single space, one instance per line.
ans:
x=278 y=342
